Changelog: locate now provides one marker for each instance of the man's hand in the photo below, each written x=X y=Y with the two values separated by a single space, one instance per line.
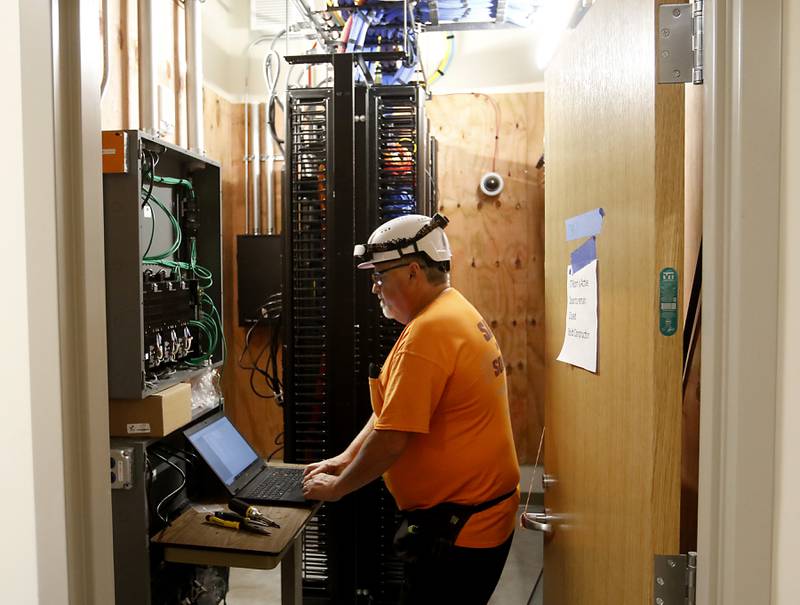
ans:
x=330 y=466
x=321 y=486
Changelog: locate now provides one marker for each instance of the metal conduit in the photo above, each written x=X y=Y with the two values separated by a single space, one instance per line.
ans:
x=255 y=181
x=269 y=157
x=194 y=75
x=148 y=111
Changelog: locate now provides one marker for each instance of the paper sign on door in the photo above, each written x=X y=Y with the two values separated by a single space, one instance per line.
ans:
x=580 y=336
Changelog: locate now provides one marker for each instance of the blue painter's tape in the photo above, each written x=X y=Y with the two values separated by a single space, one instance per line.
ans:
x=585 y=225
x=583 y=255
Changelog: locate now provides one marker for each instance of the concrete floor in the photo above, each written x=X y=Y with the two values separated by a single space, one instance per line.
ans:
x=257 y=587
x=521 y=571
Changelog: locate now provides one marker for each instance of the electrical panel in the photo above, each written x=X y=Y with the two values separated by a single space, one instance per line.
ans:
x=356 y=156
x=163 y=263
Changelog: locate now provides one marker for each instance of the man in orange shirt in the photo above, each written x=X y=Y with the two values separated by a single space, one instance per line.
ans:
x=440 y=432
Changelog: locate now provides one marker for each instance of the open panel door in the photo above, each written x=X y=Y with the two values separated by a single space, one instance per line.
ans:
x=614 y=139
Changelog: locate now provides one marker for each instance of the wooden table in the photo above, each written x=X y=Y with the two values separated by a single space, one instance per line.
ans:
x=191 y=540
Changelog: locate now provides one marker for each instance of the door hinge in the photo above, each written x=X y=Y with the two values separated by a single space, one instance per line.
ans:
x=680 y=43
x=675 y=579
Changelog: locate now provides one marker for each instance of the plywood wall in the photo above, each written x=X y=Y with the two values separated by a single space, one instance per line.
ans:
x=120 y=105
x=498 y=243
x=261 y=420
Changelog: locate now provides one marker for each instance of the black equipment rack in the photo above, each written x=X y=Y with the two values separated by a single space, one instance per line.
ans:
x=356 y=156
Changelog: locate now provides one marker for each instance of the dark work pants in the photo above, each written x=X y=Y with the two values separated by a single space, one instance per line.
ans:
x=467 y=576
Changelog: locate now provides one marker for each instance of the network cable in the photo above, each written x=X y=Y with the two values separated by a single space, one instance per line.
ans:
x=269 y=372
x=173 y=493
x=209 y=323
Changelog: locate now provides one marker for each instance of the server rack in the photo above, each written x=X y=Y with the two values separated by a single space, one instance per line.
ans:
x=356 y=157
x=398 y=184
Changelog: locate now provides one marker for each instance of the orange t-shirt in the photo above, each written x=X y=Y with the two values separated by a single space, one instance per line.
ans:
x=444 y=380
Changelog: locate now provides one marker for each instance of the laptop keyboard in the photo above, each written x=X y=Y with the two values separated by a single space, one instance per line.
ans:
x=275 y=483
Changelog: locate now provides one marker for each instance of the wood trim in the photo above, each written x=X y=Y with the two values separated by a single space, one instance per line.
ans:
x=667 y=360
x=740 y=297
x=81 y=270
x=41 y=250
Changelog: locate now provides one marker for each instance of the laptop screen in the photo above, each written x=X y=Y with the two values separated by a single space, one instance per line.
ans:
x=224 y=449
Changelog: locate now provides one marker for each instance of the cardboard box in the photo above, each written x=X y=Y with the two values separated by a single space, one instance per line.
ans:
x=156 y=416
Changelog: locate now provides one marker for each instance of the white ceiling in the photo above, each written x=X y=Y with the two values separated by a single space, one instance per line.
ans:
x=487 y=60
x=227 y=24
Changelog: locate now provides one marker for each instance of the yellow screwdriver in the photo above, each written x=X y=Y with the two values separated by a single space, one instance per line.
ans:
x=230 y=521
x=251 y=512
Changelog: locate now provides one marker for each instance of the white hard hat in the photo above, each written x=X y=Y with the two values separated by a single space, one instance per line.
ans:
x=404 y=235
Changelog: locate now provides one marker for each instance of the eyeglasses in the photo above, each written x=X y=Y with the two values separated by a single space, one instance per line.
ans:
x=377 y=276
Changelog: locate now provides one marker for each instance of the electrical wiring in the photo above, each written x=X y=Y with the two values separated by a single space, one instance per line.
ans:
x=210 y=338
x=173 y=493
x=148 y=171
x=176 y=244
x=269 y=372
x=272 y=95
x=188 y=457
x=211 y=326
x=496 y=125
x=346 y=32
x=392 y=25
x=337 y=16
x=447 y=59
x=218 y=319
x=208 y=321
x=279 y=442
x=146 y=204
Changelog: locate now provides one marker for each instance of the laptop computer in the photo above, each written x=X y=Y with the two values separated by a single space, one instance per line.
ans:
x=244 y=474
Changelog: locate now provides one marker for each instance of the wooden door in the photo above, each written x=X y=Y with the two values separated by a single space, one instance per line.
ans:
x=614 y=139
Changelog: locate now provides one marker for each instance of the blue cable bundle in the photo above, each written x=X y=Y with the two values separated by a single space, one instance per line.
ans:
x=378 y=26
x=462 y=10
x=381 y=29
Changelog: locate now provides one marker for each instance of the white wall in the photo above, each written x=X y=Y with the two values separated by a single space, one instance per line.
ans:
x=786 y=579
x=485 y=60
x=18 y=556
x=40 y=210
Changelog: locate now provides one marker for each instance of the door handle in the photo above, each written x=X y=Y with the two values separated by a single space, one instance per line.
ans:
x=537 y=522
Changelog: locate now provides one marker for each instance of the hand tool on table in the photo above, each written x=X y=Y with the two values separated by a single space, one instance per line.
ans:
x=234 y=521
x=251 y=512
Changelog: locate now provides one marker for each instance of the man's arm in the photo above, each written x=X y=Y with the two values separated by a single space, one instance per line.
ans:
x=335 y=465
x=355 y=446
x=380 y=449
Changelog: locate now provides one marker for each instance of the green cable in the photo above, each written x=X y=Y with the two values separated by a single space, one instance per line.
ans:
x=176 y=228
x=202 y=327
x=210 y=325
x=168 y=180
x=218 y=319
